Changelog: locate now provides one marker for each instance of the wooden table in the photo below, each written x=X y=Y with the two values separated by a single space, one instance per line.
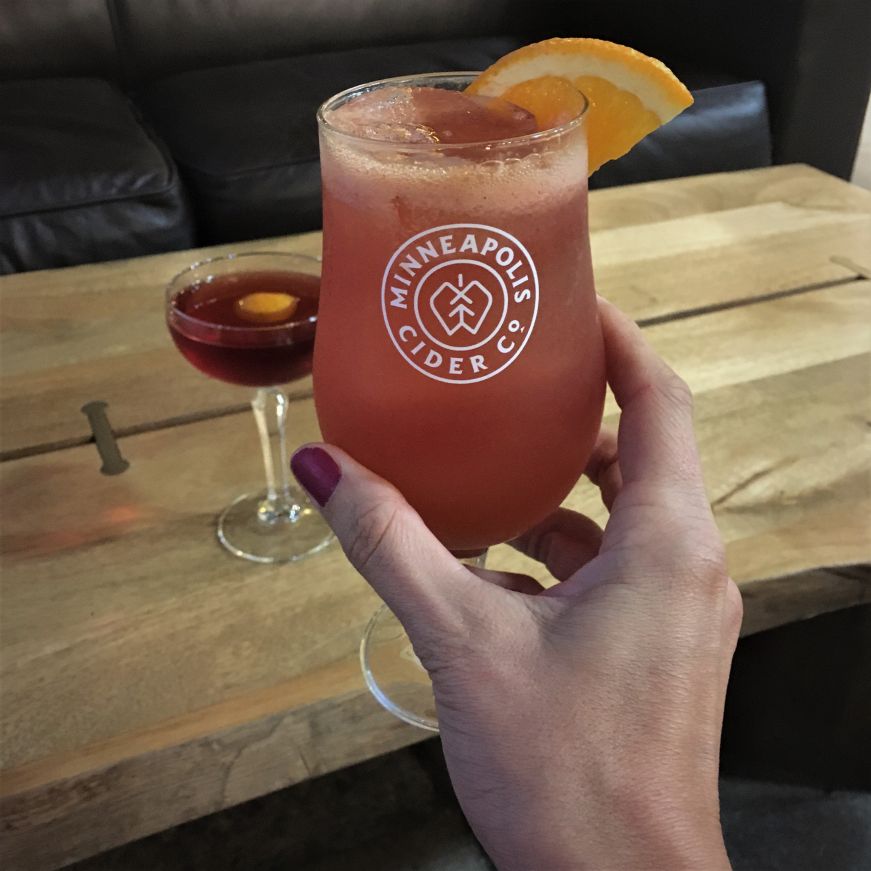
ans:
x=148 y=677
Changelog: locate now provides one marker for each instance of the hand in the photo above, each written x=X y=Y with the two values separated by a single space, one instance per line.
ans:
x=580 y=725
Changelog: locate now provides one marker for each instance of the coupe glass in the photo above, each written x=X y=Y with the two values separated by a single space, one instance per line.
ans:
x=459 y=353
x=277 y=524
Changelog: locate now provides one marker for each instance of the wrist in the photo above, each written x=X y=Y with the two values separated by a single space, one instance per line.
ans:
x=669 y=828
x=641 y=829
x=623 y=850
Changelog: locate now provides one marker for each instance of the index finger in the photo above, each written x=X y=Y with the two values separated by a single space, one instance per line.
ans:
x=656 y=442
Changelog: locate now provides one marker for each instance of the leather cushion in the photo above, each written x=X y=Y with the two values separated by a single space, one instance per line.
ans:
x=165 y=38
x=72 y=38
x=245 y=137
x=725 y=129
x=81 y=179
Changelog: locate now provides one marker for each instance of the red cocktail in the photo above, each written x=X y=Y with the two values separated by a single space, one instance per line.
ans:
x=459 y=353
x=267 y=343
x=250 y=319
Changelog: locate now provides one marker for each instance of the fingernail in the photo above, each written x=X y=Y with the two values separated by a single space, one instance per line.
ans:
x=317 y=471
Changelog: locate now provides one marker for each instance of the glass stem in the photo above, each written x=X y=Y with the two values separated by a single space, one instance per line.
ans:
x=270 y=413
x=476 y=562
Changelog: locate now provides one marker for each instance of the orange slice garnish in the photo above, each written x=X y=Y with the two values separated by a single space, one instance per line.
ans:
x=629 y=93
x=266 y=308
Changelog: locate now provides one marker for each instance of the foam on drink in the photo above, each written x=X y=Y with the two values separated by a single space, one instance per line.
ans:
x=464 y=153
x=431 y=115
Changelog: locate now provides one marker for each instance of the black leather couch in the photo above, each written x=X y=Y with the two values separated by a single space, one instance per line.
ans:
x=131 y=127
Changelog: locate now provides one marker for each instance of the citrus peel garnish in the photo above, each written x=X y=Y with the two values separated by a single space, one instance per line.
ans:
x=266 y=308
x=629 y=93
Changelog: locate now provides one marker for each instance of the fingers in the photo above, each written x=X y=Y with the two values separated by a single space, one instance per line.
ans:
x=563 y=542
x=603 y=468
x=384 y=538
x=513 y=581
x=733 y=616
x=656 y=438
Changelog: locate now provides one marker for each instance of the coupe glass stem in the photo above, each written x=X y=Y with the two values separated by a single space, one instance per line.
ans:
x=270 y=412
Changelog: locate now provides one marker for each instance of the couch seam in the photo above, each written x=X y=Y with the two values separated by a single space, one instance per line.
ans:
x=115 y=23
x=85 y=204
x=246 y=172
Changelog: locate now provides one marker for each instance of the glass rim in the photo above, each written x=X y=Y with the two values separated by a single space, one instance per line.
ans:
x=183 y=317
x=526 y=138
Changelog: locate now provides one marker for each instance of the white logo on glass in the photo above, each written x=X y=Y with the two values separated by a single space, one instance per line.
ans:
x=462 y=307
x=460 y=301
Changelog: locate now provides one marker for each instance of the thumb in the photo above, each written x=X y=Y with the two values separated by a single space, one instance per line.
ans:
x=385 y=540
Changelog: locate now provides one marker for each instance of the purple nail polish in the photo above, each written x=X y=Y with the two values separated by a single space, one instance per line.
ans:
x=317 y=471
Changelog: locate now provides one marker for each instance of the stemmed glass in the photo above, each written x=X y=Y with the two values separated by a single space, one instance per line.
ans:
x=250 y=319
x=459 y=353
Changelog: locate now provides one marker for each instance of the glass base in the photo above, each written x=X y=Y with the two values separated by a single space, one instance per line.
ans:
x=394 y=674
x=250 y=529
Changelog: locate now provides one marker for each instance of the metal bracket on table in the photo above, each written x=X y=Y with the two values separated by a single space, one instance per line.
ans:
x=113 y=462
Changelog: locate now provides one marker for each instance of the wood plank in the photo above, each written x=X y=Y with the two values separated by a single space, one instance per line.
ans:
x=92 y=807
x=96 y=332
x=638 y=268
x=787 y=464
x=783 y=399
x=795 y=184
x=187 y=680
x=122 y=584
x=754 y=342
x=683 y=265
x=772 y=602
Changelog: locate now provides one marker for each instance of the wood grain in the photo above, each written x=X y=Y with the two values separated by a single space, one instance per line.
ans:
x=796 y=185
x=97 y=332
x=684 y=265
x=772 y=602
x=149 y=677
x=662 y=249
x=272 y=741
x=783 y=404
